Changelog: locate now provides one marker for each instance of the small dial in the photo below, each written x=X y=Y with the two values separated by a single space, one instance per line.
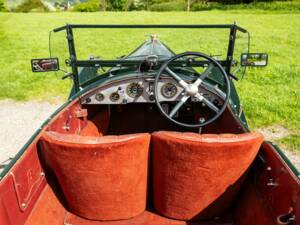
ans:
x=169 y=90
x=114 y=96
x=134 y=90
x=99 y=97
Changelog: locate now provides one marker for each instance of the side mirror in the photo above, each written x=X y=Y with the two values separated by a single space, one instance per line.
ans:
x=254 y=59
x=45 y=65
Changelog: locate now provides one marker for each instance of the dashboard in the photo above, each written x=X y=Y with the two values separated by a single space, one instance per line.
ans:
x=140 y=89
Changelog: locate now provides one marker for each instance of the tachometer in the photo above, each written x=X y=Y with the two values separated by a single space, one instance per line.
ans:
x=134 y=90
x=169 y=90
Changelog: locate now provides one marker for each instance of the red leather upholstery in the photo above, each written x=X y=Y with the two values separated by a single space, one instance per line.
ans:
x=102 y=178
x=90 y=130
x=197 y=176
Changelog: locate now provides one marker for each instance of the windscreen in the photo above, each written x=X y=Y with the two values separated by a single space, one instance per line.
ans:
x=113 y=44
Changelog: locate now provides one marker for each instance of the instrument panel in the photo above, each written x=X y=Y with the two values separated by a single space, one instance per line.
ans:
x=134 y=90
x=169 y=90
x=137 y=90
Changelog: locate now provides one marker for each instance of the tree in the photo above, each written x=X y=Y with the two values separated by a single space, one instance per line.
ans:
x=2 y=6
x=129 y=4
x=116 y=5
x=103 y=4
x=29 y=5
x=189 y=4
x=147 y=3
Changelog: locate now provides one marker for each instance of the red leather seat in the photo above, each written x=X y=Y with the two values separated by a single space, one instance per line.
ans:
x=196 y=176
x=102 y=178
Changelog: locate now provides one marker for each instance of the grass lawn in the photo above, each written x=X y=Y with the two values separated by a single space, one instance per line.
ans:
x=269 y=96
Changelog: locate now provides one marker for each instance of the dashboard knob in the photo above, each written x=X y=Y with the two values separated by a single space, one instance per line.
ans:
x=151 y=98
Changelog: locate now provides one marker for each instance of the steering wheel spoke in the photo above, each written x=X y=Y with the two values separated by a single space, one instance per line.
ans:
x=178 y=105
x=176 y=77
x=198 y=82
x=207 y=102
x=204 y=75
x=207 y=72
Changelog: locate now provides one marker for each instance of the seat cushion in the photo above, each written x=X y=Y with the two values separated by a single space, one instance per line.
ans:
x=197 y=176
x=102 y=178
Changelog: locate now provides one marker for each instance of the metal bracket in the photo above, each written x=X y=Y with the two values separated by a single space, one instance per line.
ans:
x=66 y=126
x=33 y=185
x=271 y=181
x=286 y=219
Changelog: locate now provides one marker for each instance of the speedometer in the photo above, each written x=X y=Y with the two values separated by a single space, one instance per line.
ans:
x=134 y=90
x=169 y=90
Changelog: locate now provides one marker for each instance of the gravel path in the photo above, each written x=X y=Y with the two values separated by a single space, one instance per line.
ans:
x=20 y=119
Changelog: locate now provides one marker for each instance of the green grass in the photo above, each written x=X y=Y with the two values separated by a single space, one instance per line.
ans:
x=270 y=95
x=266 y=7
x=291 y=142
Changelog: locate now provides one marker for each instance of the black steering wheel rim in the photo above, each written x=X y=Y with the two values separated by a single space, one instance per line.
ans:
x=211 y=60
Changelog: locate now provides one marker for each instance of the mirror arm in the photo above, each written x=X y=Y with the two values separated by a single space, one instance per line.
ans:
x=233 y=77
x=67 y=75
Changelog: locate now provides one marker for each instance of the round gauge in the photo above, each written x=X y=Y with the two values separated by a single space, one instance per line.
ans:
x=169 y=90
x=114 y=96
x=134 y=90
x=99 y=97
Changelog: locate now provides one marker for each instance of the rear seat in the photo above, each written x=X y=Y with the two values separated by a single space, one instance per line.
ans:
x=194 y=177
x=102 y=178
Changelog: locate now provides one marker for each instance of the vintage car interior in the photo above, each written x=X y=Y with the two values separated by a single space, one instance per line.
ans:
x=151 y=147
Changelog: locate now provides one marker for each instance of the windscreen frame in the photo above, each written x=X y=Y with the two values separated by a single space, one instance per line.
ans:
x=74 y=63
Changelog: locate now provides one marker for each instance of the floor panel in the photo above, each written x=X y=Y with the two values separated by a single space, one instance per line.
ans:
x=146 y=218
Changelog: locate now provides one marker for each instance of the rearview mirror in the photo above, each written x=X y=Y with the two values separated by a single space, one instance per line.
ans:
x=254 y=59
x=44 y=65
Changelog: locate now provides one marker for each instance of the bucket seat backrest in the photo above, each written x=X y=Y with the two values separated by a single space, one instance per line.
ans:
x=197 y=176
x=102 y=178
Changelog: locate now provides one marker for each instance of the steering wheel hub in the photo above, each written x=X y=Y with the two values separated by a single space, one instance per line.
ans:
x=191 y=89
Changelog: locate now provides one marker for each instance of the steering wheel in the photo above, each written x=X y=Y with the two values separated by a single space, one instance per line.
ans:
x=191 y=89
